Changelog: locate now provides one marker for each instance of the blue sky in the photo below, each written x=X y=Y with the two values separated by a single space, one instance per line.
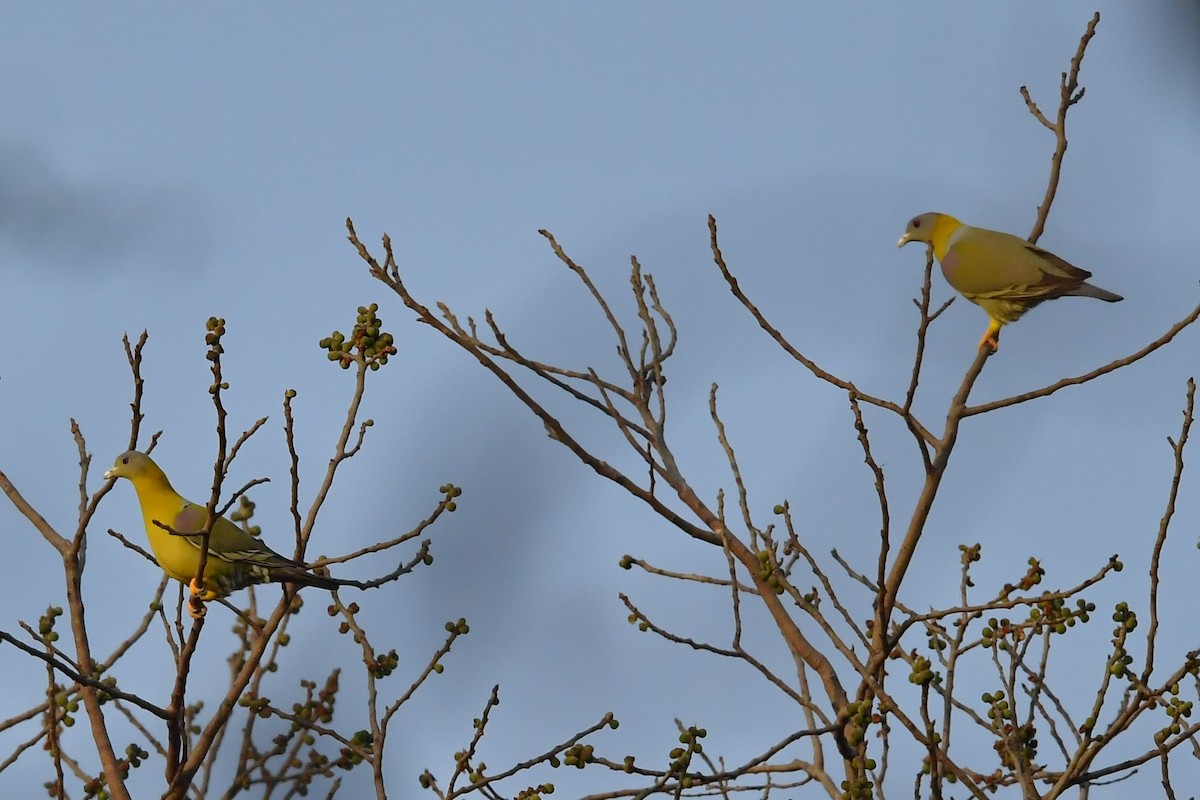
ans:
x=159 y=165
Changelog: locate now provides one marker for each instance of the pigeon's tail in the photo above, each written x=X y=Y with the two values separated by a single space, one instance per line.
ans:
x=1087 y=290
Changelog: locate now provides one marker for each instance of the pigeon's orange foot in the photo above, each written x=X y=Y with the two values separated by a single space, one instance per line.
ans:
x=203 y=592
x=991 y=338
x=196 y=608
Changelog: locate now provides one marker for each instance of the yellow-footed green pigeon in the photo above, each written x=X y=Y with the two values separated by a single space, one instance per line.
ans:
x=1001 y=273
x=235 y=558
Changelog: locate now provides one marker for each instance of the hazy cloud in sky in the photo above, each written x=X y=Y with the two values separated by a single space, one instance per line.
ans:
x=85 y=222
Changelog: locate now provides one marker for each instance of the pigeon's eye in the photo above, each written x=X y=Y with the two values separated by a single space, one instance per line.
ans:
x=125 y=460
x=916 y=223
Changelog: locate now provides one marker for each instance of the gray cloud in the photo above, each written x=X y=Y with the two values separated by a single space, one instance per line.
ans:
x=47 y=213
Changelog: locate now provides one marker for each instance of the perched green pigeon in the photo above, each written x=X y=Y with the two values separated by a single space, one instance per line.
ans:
x=1001 y=273
x=235 y=558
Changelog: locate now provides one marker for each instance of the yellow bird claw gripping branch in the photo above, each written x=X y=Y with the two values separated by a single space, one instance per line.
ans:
x=175 y=528
x=1001 y=273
